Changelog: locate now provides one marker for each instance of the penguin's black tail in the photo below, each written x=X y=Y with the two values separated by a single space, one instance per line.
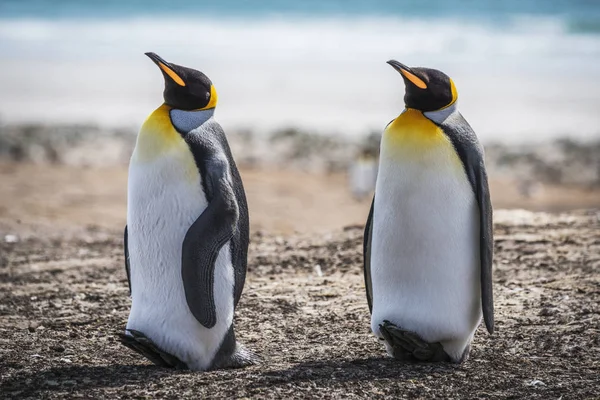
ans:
x=408 y=346
x=140 y=343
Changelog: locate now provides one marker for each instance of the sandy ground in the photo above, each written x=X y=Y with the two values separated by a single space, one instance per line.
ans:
x=63 y=297
x=280 y=201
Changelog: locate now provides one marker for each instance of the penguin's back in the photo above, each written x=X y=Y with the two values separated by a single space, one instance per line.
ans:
x=425 y=252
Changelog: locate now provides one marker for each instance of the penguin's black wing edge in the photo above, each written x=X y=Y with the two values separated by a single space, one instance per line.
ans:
x=367 y=257
x=205 y=238
x=469 y=150
x=127 y=268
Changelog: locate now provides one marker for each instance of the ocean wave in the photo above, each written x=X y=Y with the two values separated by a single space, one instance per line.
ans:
x=279 y=37
x=584 y=26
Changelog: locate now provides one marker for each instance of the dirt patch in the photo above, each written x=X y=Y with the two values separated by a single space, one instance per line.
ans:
x=63 y=296
x=281 y=201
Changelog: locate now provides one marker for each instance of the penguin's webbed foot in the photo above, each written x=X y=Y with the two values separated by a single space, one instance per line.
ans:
x=141 y=344
x=408 y=346
x=241 y=358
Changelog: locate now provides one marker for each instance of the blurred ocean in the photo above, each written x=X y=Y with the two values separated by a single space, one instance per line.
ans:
x=526 y=70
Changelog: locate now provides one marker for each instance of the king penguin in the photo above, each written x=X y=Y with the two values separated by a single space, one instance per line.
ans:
x=186 y=238
x=428 y=239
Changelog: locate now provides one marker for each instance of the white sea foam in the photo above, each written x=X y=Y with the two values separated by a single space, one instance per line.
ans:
x=525 y=80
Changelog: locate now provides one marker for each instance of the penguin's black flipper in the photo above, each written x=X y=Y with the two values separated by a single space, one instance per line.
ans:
x=367 y=256
x=408 y=346
x=204 y=240
x=127 y=268
x=140 y=343
x=207 y=149
x=470 y=152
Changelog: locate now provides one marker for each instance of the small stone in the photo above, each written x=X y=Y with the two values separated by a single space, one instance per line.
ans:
x=317 y=270
x=57 y=348
x=11 y=238
x=536 y=382
x=33 y=326
x=547 y=312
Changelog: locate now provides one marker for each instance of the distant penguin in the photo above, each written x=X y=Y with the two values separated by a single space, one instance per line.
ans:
x=428 y=238
x=186 y=239
x=362 y=175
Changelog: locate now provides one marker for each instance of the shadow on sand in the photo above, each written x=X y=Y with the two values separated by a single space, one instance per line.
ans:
x=78 y=378
x=344 y=370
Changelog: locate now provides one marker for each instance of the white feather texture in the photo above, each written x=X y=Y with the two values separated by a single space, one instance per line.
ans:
x=165 y=197
x=425 y=247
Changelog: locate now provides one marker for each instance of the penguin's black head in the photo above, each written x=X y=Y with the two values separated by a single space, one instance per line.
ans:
x=185 y=88
x=426 y=89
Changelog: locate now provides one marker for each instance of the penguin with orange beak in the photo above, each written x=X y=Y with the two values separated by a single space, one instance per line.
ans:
x=186 y=239
x=428 y=239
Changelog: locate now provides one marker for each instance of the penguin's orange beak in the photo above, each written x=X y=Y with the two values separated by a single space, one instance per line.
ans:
x=166 y=68
x=408 y=74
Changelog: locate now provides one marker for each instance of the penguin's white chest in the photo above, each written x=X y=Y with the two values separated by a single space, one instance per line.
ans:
x=425 y=241
x=165 y=197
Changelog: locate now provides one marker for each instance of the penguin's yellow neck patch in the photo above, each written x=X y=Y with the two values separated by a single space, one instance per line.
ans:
x=157 y=136
x=454 y=93
x=413 y=137
x=213 y=98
